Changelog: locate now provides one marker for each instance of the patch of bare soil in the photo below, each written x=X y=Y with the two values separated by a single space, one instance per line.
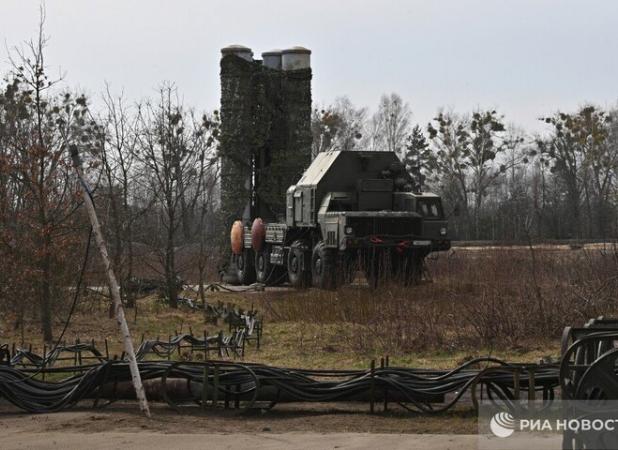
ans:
x=299 y=427
x=324 y=418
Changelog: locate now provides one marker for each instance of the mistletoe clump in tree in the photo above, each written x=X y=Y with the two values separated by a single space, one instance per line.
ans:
x=38 y=194
x=467 y=159
x=582 y=154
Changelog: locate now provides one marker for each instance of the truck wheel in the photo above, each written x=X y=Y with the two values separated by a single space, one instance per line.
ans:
x=227 y=271
x=263 y=267
x=324 y=266
x=265 y=271
x=245 y=268
x=299 y=278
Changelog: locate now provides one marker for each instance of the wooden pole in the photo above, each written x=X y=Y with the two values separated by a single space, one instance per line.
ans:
x=114 y=287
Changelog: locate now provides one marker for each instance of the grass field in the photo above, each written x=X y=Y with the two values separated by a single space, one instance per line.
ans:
x=507 y=303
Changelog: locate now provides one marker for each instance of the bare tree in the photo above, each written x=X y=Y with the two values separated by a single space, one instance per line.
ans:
x=206 y=227
x=338 y=127
x=175 y=151
x=448 y=169
x=582 y=152
x=37 y=128
x=117 y=164
x=469 y=156
x=390 y=125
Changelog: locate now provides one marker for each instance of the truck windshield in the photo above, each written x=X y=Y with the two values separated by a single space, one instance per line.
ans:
x=429 y=207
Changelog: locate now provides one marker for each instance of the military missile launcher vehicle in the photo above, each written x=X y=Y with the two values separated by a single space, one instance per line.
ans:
x=350 y=211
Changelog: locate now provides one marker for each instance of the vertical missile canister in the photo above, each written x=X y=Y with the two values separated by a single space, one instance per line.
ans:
x=296 y=94
x=235 y=149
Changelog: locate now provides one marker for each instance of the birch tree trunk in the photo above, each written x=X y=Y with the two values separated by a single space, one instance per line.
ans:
x=114 y=287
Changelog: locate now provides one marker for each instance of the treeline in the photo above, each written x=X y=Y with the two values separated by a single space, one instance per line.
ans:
x=153 y=173
x=507 y=184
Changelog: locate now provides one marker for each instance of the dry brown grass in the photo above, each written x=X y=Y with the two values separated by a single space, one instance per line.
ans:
x=510 y=303
x=496 y=299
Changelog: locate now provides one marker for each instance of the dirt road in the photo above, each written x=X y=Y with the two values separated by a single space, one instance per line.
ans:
x=123 y=427
x=156 y=441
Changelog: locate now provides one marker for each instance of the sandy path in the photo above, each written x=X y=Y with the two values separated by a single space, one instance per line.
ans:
x=337 y=427
x=270 y=441
x=155 y=441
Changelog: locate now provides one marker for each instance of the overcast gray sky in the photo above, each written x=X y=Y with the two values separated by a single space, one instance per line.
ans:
x=525 y=57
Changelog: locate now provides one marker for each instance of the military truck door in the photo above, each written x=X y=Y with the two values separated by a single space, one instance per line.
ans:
x=298 y=206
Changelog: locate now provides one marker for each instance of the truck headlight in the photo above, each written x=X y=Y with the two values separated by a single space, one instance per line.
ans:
x=348 y=230
x=442 y=231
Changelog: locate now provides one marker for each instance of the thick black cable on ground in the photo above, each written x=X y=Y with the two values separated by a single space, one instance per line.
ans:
x=420 y=390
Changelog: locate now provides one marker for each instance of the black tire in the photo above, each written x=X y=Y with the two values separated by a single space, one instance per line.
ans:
x=324 y=267
x=298 y=274
x=263 y=267
x=265 y=271
x=245 y=266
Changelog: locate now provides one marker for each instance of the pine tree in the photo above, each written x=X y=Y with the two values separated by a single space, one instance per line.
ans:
x=417 y=156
